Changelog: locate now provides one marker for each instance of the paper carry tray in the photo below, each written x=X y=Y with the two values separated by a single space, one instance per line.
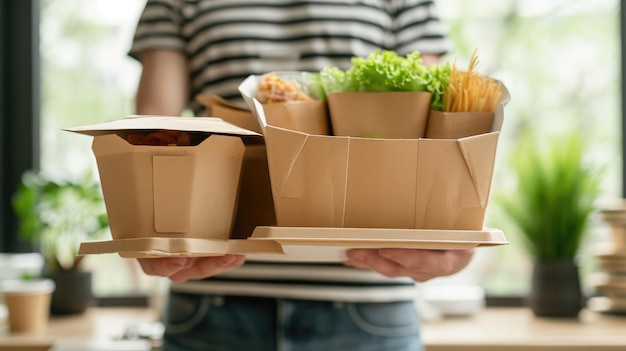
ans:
x=178 y=247
x=380 y=238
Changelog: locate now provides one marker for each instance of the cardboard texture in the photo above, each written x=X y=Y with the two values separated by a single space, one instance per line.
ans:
x=169 y=191
x=393 y=115
x=255 y=202
x=377 y=238
x=303 y=116
x=454 y=125
x=177 y=247
x=349 y=182
x=229 y=112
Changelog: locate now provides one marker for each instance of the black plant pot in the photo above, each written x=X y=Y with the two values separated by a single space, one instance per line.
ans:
x=73 y=292
x=555 y=289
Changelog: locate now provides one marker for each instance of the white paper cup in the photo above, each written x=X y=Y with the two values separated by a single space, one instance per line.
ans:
x=28 y=303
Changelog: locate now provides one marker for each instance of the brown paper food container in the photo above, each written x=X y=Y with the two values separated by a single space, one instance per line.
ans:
x=28 y=304
x=216 y=106
x=454 y=125
x=169 y=191
x=390 y=115
x=255 y=202
x=349 y=182
x=303 y=116
x=380 y=183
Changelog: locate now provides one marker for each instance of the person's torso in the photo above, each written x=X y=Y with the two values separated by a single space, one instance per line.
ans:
x=228 y=40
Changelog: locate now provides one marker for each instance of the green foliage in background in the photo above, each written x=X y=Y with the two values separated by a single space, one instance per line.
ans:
x=57 y=216
x=554 y=196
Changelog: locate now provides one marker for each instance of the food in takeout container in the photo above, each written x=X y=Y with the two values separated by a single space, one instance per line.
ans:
x=469 y=102
x=173 y=177
x=282 y=87
x=384 y=95
x=357 y=182
x=291 y=101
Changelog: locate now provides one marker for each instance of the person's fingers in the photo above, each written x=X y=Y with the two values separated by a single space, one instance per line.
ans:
x=430 y=262
x=372 y=259
x=420 y=265
x=163 y=267
x=358 y=258
x=204 y=267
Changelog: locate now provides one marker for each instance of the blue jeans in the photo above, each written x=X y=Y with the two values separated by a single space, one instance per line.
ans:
x=229 y=323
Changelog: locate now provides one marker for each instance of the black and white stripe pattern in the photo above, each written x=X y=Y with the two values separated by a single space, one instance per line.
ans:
x=228 y=40
x=311 y=281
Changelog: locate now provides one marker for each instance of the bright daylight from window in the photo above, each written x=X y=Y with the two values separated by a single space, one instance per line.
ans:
x=559 y=60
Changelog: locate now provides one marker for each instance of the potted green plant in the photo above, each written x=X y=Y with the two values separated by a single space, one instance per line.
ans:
x=56 y=216
x=551 y=205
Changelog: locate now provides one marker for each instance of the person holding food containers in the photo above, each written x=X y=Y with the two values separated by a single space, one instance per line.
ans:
x=192 y=47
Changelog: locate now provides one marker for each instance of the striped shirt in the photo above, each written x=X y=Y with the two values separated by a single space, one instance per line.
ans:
x=228 y=40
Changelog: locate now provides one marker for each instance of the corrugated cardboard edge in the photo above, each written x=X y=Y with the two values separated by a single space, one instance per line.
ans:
x=378 y=238
x=177 y=247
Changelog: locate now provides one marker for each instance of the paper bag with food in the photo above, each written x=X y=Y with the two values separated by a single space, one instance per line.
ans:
x=469 y=102
x=289 y=102
x=381 y=96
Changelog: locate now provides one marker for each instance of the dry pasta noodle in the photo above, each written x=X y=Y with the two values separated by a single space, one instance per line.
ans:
x=470 y=91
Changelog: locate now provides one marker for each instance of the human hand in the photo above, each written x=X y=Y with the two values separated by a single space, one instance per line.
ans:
x=180 y=269
x=418 y=264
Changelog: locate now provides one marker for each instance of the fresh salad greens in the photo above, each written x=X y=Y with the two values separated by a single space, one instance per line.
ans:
x=385 y=71
x=438 y=84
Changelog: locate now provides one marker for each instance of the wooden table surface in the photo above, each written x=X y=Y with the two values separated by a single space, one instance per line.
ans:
x=517 y=329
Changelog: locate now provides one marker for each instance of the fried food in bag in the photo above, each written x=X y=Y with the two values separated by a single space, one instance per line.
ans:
x=163 y=138
x=274 y=89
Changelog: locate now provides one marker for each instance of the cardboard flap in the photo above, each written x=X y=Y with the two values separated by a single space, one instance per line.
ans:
x=215 y=100
x=445 y=190
x=172 y=192
x=498 y=117
x=283 y=152
x=109 y=144
x=229 y=112
x=309 y=174
x=478 y=154
x=188 y=124
x=247 y=89
x=259 y=113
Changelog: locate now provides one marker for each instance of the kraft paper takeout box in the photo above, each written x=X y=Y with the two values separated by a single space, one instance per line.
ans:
x=169 y=191
x=392 y=114
x=343 y=182
x=456 y=125
x=255 y=202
